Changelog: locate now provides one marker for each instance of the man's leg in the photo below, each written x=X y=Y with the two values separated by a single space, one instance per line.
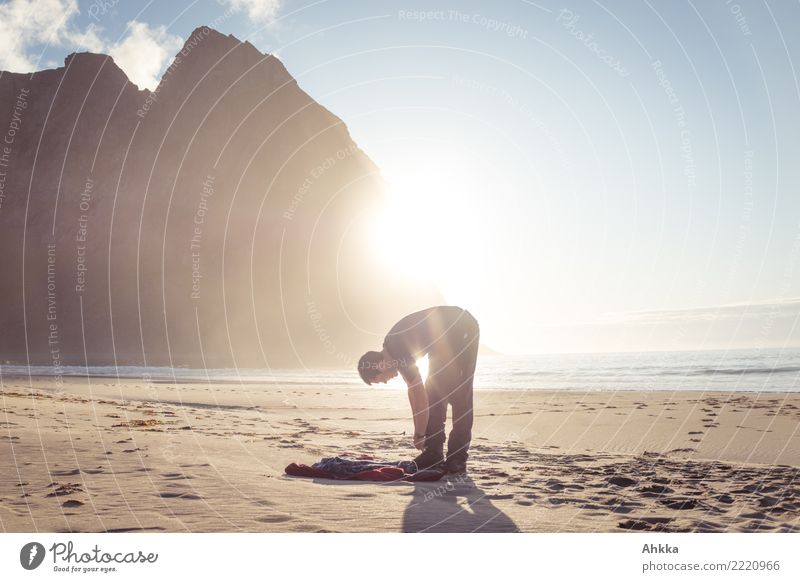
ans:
x=437 y=413
x=461 y=435
x=461 y=398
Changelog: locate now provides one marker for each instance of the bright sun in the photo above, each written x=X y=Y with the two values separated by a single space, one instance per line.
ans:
x=429 y=229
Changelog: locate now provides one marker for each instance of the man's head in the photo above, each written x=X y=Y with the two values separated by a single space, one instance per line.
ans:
x=375 y=367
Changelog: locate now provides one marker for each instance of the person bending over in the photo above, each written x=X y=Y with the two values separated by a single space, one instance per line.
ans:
x=449 y=336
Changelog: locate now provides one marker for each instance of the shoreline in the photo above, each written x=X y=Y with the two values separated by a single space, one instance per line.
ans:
x=359 y=385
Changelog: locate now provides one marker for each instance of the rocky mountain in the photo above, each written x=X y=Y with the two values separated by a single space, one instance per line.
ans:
x=223 y=219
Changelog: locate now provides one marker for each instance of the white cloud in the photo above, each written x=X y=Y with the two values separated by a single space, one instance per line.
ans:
x=144 y=52
x=259 y=11
x=88 y=39
x=24 y=24
x=28 y=26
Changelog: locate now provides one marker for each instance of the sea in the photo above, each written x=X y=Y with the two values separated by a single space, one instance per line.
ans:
x=763 y=370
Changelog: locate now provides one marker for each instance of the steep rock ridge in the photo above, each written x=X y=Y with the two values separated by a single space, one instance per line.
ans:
x=222 y=219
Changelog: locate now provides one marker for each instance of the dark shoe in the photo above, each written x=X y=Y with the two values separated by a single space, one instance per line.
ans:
x=429 y=459
x=457 y=464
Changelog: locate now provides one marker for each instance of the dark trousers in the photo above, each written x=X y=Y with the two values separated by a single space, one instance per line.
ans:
x=451 y=370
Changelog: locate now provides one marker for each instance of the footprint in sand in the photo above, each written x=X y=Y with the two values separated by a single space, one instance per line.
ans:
x=176 y=495
x=133 y=529
x=275 y=518
x=65 y=489
x=565 y=500
x=655 y=490
x=680 y=504
x=176 y=476
x=757 y=525
x=66 y=473
x=645 y=523
x=623 y=506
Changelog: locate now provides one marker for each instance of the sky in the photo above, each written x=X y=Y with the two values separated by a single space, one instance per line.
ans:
x=582 y=176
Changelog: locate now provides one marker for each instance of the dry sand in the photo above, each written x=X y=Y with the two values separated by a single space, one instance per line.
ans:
x=101 y=455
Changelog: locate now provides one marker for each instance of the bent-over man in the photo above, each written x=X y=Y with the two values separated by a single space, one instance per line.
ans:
x=449 y=336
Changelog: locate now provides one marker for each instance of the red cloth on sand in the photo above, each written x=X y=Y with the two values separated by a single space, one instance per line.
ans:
x=379 y=474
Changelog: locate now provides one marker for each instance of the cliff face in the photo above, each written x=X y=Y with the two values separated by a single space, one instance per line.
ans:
x=222 y=219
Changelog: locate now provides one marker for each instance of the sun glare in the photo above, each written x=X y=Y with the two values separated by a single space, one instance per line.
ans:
x=429 y=228
x=422 y=366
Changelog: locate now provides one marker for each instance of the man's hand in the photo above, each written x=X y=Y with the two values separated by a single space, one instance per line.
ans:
x=419 y=441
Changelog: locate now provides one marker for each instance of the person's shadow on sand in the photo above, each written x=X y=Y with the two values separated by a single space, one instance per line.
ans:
x=454 y=504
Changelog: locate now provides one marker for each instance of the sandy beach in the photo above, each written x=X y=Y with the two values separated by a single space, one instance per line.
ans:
x=100 y=455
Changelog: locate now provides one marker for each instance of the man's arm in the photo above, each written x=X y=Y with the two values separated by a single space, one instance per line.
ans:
x=418 y=398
